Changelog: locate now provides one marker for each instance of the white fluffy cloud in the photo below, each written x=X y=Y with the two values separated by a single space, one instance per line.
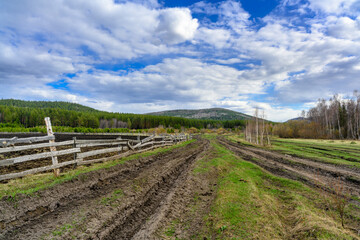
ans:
x=216 y=37
x=176 y=25
x=344 y=27
x=179 y=80
x=333 y=6
x=224 y=59
x=107 y=29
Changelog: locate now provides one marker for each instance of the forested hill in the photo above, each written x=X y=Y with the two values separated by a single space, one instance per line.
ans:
x=31 y=114
x=47 y=104
x=209 y=114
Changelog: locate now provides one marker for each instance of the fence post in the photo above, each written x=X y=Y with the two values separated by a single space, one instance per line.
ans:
x=75 y=154
x=52 y=149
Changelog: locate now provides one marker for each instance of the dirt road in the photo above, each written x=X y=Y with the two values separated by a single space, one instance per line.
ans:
x=313 y=173
x=131 y=200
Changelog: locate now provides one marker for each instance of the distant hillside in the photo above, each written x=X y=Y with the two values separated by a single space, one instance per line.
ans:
x=297 y=119
x=208 y=114
x=30 y=114
x=47 y=104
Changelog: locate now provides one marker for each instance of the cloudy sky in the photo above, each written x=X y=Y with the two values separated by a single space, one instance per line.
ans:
x=147 y=55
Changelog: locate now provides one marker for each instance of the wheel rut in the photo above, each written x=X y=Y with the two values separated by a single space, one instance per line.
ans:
x=310 y=172
x=144 y=183
x=135 y=224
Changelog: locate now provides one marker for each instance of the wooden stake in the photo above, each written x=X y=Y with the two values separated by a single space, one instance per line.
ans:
x=75 y=155
x=52 y=149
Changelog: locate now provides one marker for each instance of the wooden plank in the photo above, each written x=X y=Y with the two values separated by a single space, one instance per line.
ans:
x=148 y=139
x=4 y=142
x=21 y=159
x=85 y=162
x=35 y=170
x=98 y=141
x=145 y=144
x=52 y=149
x=97 y=152
x=118 y=156
x=81 y=145
x=34 y=146
x=163 y=142
x=144 y=141
x=101 y=134
x=129 y=145
x=75 y=154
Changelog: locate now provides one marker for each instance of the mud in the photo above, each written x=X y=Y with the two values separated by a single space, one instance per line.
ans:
x=311 y=172
x=325 y=151
x=124 y=201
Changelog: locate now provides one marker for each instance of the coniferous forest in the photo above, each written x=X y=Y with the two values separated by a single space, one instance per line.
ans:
x=31 y=114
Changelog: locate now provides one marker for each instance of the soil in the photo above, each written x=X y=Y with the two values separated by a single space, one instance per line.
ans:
x=134 y=200
x=313 y=173
x=325 y=177
x=155 y=197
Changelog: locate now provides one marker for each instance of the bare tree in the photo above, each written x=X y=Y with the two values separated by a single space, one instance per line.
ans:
x=257 y=129
x=256 y=115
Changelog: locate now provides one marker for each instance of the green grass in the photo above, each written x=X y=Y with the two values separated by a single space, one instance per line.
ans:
x=335 y=152
x=253 y=204
x=170 y=231
x=33 y=183
x=63 y=229
x=115 y=195
x=328 y=151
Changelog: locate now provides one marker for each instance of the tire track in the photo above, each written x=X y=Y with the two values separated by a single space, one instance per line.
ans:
x=310 y=172
x=38 y=215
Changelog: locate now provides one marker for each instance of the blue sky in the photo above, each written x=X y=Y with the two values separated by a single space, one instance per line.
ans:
x=143 y=56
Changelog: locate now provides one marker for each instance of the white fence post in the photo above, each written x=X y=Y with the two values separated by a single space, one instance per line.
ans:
x=52 y=149
x=75 y=154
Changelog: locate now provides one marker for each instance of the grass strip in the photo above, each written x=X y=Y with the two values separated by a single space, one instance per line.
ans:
x=254 y=204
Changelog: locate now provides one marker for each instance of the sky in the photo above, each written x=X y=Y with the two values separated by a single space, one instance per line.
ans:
x=146 y=55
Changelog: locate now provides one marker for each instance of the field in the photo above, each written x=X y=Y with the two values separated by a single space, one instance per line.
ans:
x=213 y=187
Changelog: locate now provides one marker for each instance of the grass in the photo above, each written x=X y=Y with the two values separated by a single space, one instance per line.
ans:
x=63 y=229
x=253 y=204
x=329 y=151
x=170 y=231
x=34 y=183
x=117 y=194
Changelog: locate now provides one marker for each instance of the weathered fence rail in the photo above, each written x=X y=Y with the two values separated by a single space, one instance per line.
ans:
x=16 y=140
x=85 y=151
x=12 y=161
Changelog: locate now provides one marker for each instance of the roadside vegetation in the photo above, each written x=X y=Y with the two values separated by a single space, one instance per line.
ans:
x=345 y=152
x=254 y=204
x=333 y=119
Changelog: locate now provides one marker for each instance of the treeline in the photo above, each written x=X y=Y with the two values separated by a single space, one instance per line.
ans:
x=47 y=104
x=12 y=127
x=336 y=119
x=257 y=129
x=30 y=117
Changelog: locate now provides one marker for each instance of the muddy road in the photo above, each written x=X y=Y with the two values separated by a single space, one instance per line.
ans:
x=133 y=200
x=154 y=197
x=310 y=172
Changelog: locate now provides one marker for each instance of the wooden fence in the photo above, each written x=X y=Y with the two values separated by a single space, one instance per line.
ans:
x=119 y=147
